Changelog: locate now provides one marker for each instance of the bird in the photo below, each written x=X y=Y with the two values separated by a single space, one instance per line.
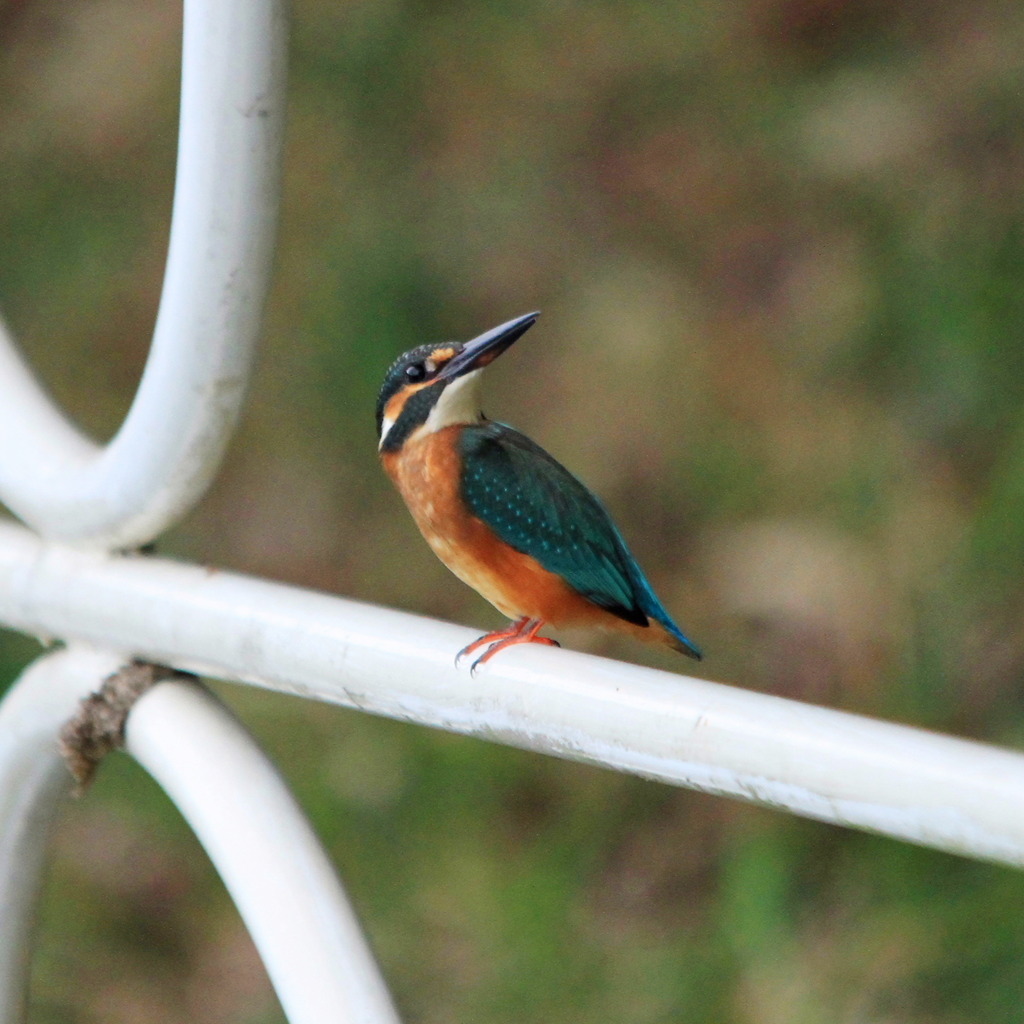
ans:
x=500 y=512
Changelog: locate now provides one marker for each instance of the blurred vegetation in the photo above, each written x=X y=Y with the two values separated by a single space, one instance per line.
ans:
x=778 y=245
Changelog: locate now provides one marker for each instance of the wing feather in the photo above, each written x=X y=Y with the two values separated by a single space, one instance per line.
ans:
x=538 y=507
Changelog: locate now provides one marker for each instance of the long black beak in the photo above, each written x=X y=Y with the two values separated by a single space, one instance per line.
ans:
x=481 y=351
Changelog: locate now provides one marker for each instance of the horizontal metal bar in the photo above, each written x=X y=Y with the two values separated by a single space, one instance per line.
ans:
x=854 y=771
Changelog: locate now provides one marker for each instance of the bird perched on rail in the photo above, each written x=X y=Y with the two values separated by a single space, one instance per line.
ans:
x=500 y=512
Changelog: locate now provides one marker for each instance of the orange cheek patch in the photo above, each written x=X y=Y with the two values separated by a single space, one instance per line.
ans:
x=395 y=404
x=440 y=356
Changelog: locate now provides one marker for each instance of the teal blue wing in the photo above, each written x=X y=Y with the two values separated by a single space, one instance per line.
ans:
x=538 y=507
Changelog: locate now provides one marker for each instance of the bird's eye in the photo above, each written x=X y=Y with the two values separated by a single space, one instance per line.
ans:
x=416 y=372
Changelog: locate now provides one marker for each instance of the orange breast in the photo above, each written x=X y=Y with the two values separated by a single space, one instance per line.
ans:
x=426 y=473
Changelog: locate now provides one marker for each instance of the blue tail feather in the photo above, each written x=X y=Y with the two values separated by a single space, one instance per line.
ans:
x=654 y=609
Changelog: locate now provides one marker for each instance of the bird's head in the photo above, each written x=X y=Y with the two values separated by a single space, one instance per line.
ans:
x=436 y=386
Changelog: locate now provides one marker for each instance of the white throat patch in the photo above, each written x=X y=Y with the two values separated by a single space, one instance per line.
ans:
x=385 y=428
x=459 y=403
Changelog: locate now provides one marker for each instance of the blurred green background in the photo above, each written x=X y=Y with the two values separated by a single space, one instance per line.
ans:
x=778 y=245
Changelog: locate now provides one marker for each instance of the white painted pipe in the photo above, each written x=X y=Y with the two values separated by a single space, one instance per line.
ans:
x=903 y=782
x=233 y=798
x=269 y=858
x=218 y=263
x=33 y=782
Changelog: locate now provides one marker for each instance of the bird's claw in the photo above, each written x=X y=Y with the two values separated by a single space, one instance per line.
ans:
x=523 y=631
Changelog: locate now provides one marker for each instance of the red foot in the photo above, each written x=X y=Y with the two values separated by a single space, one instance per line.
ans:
x=522 y=631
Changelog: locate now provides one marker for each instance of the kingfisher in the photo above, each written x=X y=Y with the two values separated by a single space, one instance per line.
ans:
x=500 y=512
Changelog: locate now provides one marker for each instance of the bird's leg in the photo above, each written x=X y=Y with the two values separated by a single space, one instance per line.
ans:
x=513 y=629
x=522 y=631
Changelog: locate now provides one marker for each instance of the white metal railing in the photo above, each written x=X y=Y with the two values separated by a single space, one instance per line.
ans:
x=218 y=263
x=62 y=576
x=272 y=864
x=78 y=496
x=846 y=769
